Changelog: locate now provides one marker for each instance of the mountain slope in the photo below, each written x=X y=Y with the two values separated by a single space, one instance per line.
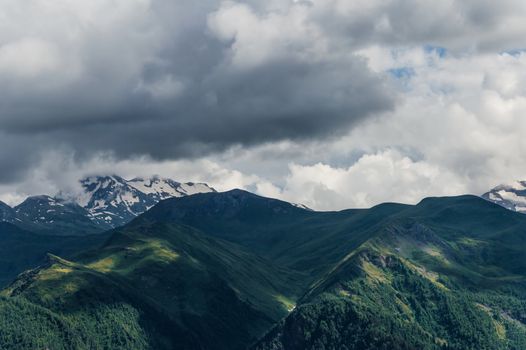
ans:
x=293 y=237
x=116 y=201
x=7 y=214
x=48 y=215
x=448 y=273
x=186 y=289
x=512 y=196
x=26 y=325
x=219 y=270
x=21 y=250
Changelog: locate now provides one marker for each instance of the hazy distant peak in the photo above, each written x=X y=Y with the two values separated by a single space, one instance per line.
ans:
x=511 y=196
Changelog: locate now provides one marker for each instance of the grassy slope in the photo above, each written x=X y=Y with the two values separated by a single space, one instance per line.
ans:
x=185 y=289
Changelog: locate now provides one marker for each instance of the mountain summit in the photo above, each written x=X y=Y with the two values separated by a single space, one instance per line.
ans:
x=116 y=201
x=105 y=202
x=512 y=196
x=51 y=215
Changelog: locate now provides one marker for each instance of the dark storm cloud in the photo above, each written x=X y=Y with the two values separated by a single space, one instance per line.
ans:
x=182 y=78
x=166 y=86
x=17 y=154
x=278 y=100
x=283 y=100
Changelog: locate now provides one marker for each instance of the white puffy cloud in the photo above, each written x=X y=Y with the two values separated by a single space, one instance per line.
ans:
x=374 y=178
x=459 y=128
x=463 y=113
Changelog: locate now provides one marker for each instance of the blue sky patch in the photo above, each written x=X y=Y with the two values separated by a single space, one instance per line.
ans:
x=402 y=72
x=514 y=52
x=438 y=50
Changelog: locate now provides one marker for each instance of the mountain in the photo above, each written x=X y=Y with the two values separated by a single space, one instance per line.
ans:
x=291 y=236
x=116 y=201
x=153 y=286
x=61 y=218
x=234 y=270
x=7 y=213
x=48 y=215
x=41 y=225
x=446 y=274
x=105 y=202
x=512 y=196
x=21 y=250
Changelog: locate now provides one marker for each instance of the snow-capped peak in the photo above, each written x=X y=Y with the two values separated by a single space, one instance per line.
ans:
x=162 y=188
x=103 y=202
x=511 y=196
x=116 y=201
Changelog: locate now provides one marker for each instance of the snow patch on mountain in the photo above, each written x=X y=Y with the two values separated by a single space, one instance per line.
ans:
x=116 y=201
x=511 y=196
x=103 y=203
x=301 y=206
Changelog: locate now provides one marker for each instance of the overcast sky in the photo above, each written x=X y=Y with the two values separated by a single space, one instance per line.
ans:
x=331 y=103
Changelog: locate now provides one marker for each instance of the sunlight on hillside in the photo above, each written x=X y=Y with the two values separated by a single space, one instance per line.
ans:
x=129 y=258
x=287 y=303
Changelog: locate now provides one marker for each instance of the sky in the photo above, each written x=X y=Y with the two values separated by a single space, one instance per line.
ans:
x=330 y=103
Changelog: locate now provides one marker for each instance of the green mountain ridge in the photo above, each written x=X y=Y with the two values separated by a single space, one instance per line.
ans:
x=234 y=270
x=189 y=290
x=419 y=285
x=21 y=250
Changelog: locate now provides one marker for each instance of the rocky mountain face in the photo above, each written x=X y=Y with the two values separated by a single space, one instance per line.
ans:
x=511 y=196
x=105 y=202
x=115 y=201
x=55 y=216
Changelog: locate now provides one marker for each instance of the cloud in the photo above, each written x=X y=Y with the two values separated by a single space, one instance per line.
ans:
x=458 y=128
x=374 y=178
x=464 y=114
x=456 y=24
x=296 y=99
x=180 y=79
x=60 y=171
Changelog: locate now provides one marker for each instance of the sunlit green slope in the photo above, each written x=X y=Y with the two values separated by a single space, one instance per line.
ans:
x=155 y=286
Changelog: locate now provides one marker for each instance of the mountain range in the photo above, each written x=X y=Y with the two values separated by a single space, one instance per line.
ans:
x=234 y=270
x=106 y=202
x=69 y=222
